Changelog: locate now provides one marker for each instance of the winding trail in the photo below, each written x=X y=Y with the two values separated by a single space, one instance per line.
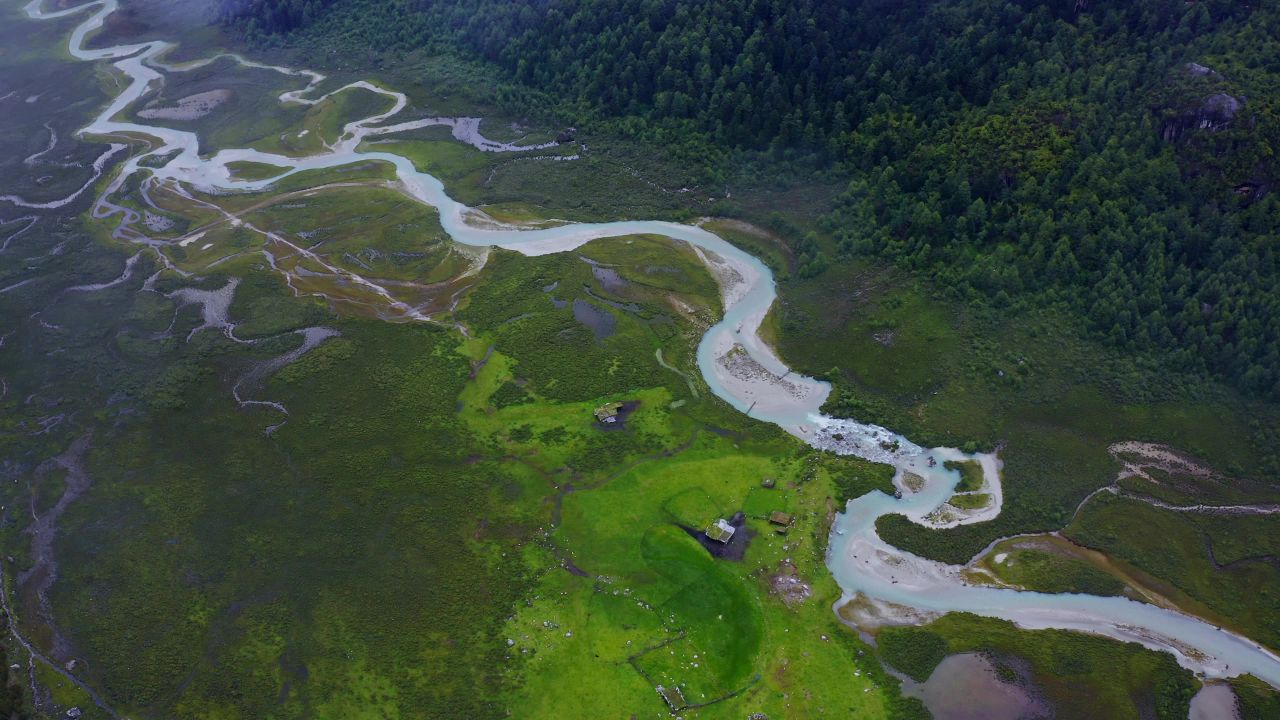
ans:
x=737 y=365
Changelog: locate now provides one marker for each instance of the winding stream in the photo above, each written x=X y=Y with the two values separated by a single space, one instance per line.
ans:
x=889 y=584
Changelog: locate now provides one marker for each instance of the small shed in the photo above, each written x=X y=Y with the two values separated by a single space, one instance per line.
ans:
x=781 y=521
x=768 y=483
x=721 y=531
x=608 y=412
x=673 y=696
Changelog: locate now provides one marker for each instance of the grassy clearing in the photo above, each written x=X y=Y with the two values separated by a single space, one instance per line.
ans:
x=1179 y=488
x=971 y=501
x=1045 y=569
x=970 y=474
x=327 y=118
x=249 y=112
x=245 y=170
x=771 y=249
x=530 y=303
x=659 y=609
x=358 y=172
x=1121 y=680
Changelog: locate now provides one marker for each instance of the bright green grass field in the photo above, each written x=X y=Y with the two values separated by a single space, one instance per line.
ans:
x=661 y=610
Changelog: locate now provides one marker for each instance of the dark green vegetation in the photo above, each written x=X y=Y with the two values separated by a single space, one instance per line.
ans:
x=210 y=568
x=1227 y=563
x=1045 y=570
x=1120 y=680
x=954 y=375
x=914 y=651
x=1256 y=699
x=970 y=474
x=1029 y=154
x=14 y=700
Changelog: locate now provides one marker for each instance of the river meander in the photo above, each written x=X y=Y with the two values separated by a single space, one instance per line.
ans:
x=736 y=364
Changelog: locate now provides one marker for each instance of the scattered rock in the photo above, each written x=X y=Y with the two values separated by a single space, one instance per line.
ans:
x=1200 y=70
x=788 y=585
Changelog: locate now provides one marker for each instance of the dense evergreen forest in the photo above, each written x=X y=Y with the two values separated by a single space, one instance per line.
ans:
x=1116 y=159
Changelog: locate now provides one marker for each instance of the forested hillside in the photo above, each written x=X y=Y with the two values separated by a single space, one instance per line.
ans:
x=1116 y=159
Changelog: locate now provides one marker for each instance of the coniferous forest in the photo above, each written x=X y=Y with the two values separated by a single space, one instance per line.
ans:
x=1113 y=158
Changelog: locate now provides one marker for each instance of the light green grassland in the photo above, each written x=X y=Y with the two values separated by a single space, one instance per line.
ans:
x=971 y=501
x=649 y=584
x=245 y=170
x=970 y=474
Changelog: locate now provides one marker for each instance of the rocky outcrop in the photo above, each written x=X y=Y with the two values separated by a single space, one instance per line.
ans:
x=1198 y=70
x=1216 y=112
